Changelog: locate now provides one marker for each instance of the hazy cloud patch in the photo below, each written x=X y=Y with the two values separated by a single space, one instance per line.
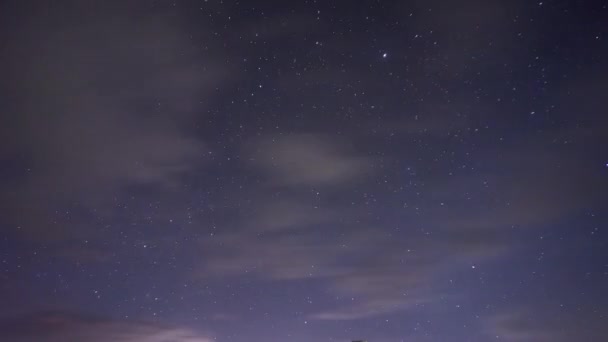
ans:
x=60 y=327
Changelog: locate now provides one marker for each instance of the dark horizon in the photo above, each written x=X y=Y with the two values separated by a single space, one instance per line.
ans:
x=229 y=171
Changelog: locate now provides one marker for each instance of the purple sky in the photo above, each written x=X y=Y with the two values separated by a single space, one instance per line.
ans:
x=231 y=171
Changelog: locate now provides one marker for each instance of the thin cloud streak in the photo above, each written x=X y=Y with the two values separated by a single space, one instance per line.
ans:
x=59 y=327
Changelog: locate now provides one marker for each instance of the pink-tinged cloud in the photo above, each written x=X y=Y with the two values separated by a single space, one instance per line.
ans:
x=61 y=327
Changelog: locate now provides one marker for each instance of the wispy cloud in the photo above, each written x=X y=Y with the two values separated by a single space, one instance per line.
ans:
x=307 y=159
x=371 y=270
x=59 y=327
x=101 y=107
x=544 y=323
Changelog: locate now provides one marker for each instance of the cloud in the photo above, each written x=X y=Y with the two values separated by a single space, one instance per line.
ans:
x=543 y=323
x=288 y=214
x=369 y=281
x=307 y=159
x=376 y=265
x=279 y=257
x=101 y=103
x=514 y=327
x=296 y=236
x=530 y=188
x=59 y=326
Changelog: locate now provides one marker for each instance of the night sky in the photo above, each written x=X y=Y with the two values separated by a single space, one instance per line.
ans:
x=295 y=171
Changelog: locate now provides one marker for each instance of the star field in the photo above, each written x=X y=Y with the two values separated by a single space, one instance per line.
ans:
x=232 y=171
